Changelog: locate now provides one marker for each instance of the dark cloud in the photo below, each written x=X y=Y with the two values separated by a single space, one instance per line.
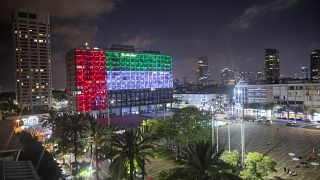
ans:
x=61 y=9
x=73 y=35
x=141 y=40
x=257 y=10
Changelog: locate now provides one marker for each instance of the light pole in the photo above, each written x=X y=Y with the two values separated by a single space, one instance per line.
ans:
x=212 y=129
x=109 y=111
x=228 y=136
x=241 y=100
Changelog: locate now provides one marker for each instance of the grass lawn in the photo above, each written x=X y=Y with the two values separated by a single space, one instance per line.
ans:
x=164 y=160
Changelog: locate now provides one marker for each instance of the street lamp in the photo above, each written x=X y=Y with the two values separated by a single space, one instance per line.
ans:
x=212 y=132
x=109 y=111
x=18 y=121
x=241 y=100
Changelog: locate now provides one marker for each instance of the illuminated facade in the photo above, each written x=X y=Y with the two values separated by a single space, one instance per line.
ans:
x=203 y=71
x=315 y=66
x=86 y=80
x=272 y=66
x=138 y=81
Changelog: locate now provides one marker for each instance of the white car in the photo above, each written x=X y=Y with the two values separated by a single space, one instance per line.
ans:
x=318 y=127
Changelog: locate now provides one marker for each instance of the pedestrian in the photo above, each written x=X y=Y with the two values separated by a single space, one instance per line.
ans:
x=288 y=170
x=277 y=129
x=290 y=173
x=285 y=169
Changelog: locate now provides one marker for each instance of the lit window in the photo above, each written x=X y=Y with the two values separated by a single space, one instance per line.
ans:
x=35 y=40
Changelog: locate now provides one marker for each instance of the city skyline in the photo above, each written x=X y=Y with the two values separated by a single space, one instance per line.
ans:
x=232 y=34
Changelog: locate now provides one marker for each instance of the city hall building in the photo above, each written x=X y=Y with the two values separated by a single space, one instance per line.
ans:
x=121 y=78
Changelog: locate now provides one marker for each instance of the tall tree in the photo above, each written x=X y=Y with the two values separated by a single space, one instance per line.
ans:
x=133 y=146
x=201 y=162
x=99 y=138
x=188 y=125
x=70 y=131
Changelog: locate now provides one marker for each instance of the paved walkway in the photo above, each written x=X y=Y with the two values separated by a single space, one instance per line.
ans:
x=299 y=141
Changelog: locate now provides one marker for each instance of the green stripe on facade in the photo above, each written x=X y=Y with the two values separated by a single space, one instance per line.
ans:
x=132 y=61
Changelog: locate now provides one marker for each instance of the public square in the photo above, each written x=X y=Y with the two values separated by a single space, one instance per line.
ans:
x=284 y=140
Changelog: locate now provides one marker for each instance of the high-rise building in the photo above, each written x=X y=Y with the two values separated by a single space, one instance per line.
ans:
x=138 y=81
x=227 y=77
x=260 y=77
x=305 y=73
x=272 y=66
x=32 y=57
x=86 y=80
x=203 y=71
x=315 y=66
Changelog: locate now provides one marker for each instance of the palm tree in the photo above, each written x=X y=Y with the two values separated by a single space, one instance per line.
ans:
x=73 y=127
x=133 y=147
x=50 y=122
x=201 y=162
x=99 y=138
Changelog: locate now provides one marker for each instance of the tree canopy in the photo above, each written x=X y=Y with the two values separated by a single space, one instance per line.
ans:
x=257 y=166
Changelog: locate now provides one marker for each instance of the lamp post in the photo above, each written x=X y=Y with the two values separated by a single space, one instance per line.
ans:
x=212 y=129
x=18 y=123
x=229 y=136
x=109 y=111
x=241 y=100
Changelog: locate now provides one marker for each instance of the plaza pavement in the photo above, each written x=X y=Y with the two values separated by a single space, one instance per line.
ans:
x=300 y=141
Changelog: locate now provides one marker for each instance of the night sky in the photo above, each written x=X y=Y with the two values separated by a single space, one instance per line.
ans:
x=231 y=33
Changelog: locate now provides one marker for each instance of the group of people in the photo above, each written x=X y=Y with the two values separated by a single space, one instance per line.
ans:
x=288 y=171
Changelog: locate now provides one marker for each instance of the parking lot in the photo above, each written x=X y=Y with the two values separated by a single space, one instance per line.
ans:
x=283 y=140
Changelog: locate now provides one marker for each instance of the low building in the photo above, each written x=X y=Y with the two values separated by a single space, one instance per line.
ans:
x=304 y=94
x=201 y=101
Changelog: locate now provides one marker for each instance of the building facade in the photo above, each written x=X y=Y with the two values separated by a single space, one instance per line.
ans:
x=315 y=66
x=305 y=73
x=201 y=101
x=32 y=58
x=203 y=71
x=138 y=81
x=272 y=66
x=300 y=94
x=86 y=80
x=227 y=77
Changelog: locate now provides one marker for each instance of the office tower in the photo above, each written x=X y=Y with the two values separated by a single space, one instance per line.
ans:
x=260 y=77
x=227 y=77
x=203 y=71
x=86 y=80
x=315 y=66
x=137 y=80
x=272 y=66
x=304 y=73
x=247 y=76
x=32 y=57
